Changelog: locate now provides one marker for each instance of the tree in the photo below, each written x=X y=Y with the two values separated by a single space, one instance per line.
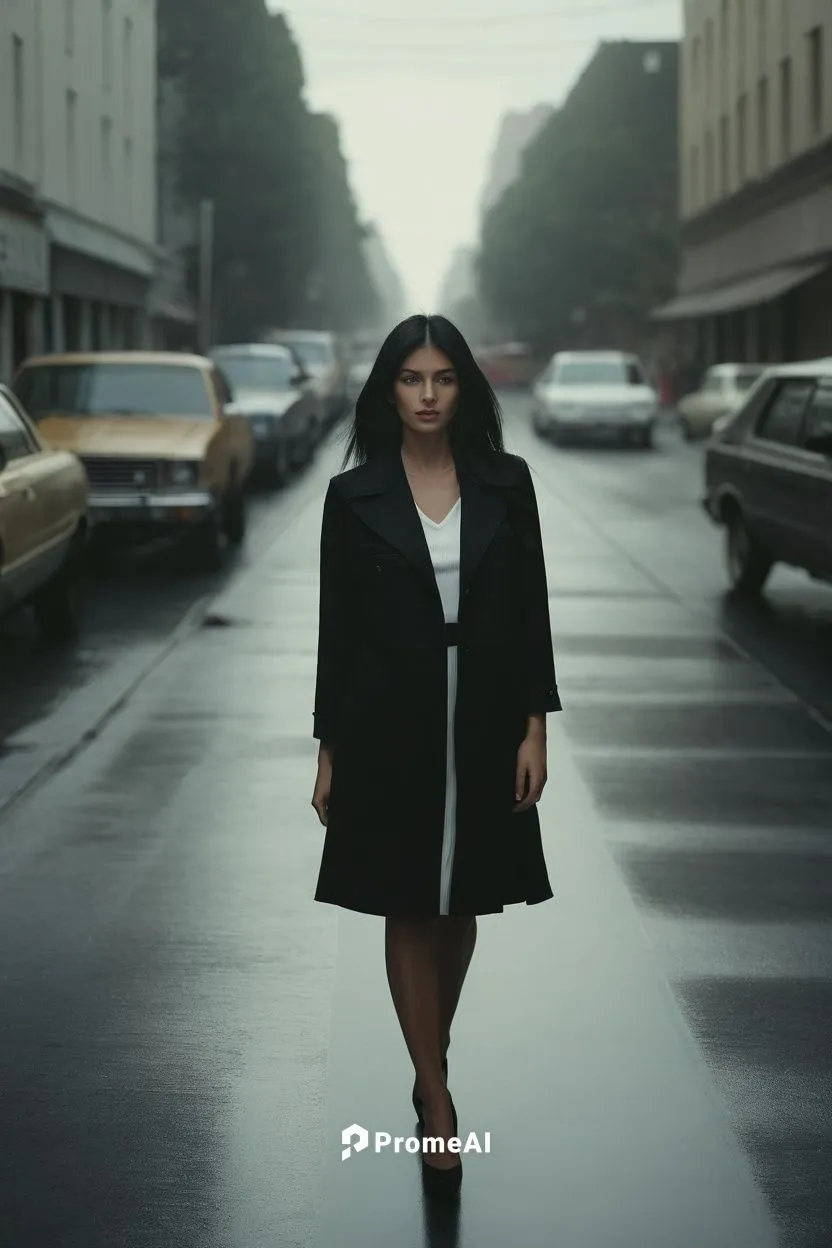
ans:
x=587 y=234
x=247 y=141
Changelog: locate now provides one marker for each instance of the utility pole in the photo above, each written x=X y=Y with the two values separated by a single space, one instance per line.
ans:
x=206 y=274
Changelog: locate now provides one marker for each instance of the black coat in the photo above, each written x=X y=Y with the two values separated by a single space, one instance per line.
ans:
x=381 y=696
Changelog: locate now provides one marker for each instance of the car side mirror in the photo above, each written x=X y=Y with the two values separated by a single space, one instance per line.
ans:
x=299 y=377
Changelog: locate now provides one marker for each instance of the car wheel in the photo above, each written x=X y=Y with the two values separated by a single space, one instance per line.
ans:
x=206 y=544
x=645 y=437
x=280 y=470
x=686 y=429
x=235 y=516
x=747 y=563
x=57 y=606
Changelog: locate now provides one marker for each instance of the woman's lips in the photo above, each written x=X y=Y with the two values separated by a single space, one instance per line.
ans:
x=429 y=411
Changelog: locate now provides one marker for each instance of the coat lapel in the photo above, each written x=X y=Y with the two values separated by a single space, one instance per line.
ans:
x=380 y=494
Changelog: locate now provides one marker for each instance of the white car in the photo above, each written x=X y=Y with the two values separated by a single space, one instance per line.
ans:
x=595 y=395
x=723 y=391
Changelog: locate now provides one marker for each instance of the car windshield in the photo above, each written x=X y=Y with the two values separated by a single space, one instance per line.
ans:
x=598 y=373
x=114 y=390
x=315 y=354
x=257 y=372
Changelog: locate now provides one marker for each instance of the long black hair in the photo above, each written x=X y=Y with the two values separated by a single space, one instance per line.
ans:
x=377 y=427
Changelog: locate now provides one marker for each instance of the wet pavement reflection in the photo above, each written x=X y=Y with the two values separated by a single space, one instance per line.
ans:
x=186 y=1034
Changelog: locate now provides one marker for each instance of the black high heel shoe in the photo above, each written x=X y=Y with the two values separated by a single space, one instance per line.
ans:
x=443 y=1184
x=417 y=1100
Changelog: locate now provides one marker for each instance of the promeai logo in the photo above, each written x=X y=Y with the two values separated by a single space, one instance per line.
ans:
x=354 y=1137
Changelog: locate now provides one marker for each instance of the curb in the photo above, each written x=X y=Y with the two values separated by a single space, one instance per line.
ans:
x=58 y=758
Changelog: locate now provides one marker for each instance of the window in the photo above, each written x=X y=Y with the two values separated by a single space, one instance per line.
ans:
x=762 y=127
x=127 y=70
x=107 y=164
x=724 y=157
x=128 y=180
x=709 y=166
x=18 y=90
x=15 y=439
x=69 y=27
x=816 y=82
x=742 y=139
x=71 y=145
x=107 y=43
x=762 y=32
x=709 y=60
x=115 y=390
x=783 y=419
x=818 y=433
x=725 y=45
x=786 y=107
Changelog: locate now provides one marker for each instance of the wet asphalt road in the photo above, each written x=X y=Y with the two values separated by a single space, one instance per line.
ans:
x=184 y=1033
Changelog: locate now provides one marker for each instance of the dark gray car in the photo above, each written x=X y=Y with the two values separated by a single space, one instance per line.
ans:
x=272 y=389
x=768 y=476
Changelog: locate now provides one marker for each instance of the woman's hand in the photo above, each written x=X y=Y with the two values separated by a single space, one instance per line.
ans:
x=323 y=782
x=531 y=764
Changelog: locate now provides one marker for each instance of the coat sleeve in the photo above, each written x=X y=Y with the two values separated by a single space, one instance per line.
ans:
x=337 y=631
x=541 y=682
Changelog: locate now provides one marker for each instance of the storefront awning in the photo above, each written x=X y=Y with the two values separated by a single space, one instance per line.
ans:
x=748 y=293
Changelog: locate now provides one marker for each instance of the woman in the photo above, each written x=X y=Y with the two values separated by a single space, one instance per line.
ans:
x=435 y=673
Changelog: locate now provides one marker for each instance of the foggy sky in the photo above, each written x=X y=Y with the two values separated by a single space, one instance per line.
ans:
x=419 y=99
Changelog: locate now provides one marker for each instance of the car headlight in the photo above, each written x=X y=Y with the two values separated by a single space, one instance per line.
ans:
x=182 y=472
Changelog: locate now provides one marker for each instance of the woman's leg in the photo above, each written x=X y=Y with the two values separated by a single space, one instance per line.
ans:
x=456 y=938
x=411 y=958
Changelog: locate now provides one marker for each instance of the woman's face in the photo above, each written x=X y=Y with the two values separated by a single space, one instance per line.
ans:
x=426 y=390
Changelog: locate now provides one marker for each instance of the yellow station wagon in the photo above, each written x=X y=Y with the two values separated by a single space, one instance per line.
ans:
x=163 y=455
x=43 y=523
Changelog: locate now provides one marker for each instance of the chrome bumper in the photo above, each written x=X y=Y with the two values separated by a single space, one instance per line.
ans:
x=168 y=508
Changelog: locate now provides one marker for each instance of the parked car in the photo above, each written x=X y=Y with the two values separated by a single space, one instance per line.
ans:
x=599 y=395
x=768 y=477
x=359 y=370
x=323 y=358
x=722 y=391
x=43 y=523
x=271 y=388
x=163 y=455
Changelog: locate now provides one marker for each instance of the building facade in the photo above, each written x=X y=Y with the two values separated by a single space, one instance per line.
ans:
x=756 y=182
x=78 y=254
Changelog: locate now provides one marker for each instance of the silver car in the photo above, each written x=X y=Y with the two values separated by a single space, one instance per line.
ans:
x=595 y=395
x=723 y=391
x=272 y=390
x=322 y=357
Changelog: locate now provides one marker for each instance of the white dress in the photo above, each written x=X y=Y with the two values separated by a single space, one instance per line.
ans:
x=443 y=544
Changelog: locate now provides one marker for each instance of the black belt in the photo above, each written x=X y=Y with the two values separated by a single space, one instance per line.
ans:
x=451 y=634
